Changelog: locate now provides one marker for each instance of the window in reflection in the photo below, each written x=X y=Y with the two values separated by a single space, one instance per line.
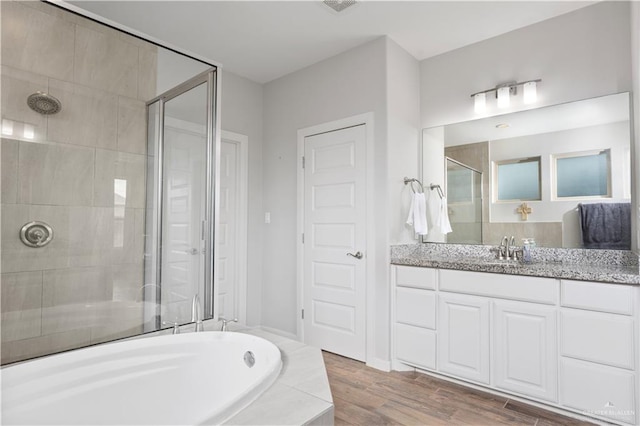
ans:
x=119 y=204
x=583 y=174
x=518 y=179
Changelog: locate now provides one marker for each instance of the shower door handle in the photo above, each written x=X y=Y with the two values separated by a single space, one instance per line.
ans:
x=193 y=251
x=357 y=255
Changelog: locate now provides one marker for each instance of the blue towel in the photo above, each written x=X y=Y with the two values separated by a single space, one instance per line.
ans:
x=606 y=225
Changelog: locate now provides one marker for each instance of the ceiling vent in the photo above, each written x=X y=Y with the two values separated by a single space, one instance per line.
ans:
x=339 y=5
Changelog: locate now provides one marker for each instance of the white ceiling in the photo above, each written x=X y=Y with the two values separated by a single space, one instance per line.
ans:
x=264 y=40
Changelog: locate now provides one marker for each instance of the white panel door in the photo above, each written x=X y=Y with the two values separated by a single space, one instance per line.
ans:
x=183 y=212
x=526 y=354
x=228 y=230
x=463 y=336
x=334 y=227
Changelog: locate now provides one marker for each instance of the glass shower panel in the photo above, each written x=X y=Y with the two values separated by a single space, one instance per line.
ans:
x=184 y=203
x=464 y=198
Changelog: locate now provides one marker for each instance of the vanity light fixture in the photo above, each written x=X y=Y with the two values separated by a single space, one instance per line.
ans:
x=480 y=103
x=504 y=92
x=530 y=93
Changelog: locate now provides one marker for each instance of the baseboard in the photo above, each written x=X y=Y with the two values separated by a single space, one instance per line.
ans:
x=279 y=332
x=400 y=366
x=379 y=364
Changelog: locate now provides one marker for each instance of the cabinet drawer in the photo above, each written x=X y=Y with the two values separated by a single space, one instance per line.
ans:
x=617 y=299
x=416 y=307
x=416 y=346
x=417 y=277
x=598 y=337
x=528 y=289
x=597 y=390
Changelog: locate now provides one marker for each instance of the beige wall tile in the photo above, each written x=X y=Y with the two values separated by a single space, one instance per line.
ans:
x=36 y=41
x=19 y=350
x=132 y=126
x=119 y=329
x=89 y=117
x=73 y=298
x=147 y=74
x=90 y=236
x=111 y=165
x=16 y=256
x=21 y=305
x=9 y=171
x=127 y=282
x=55 y=174
x=105 y=62
x=17 y=86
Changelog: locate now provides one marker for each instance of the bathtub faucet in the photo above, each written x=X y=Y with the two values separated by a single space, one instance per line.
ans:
x=225 y=322
x=196 y=316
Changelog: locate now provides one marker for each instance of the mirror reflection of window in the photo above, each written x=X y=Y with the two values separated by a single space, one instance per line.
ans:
x=119 y=205
x=583 y=174
x=518 y=180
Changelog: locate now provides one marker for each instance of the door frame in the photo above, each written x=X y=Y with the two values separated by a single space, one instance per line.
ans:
x=242 y=174
x=368 y=120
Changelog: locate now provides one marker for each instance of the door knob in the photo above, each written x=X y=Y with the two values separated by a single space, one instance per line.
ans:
x=357 y=255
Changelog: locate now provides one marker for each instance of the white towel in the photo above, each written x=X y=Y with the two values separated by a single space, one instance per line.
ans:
x=418 y=214
x=443 y=217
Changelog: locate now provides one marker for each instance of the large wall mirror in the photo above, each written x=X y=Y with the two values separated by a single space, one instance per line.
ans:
x=559 y=174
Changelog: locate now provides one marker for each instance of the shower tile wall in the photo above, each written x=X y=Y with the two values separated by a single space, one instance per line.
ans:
x=85 y=286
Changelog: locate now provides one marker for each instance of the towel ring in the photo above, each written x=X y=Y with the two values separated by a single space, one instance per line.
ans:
x=412 y=181
x=438 y=188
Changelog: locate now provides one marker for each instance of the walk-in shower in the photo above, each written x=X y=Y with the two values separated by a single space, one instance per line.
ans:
x=108 y=188
x=464 y=197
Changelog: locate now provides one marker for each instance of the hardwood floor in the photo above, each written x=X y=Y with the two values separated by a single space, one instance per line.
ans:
x=366 y=396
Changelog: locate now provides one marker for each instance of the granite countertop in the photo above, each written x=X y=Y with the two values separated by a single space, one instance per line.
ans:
x=574 y=264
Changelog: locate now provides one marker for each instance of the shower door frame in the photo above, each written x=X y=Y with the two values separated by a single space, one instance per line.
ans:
x=210 y=78
x=446 y=184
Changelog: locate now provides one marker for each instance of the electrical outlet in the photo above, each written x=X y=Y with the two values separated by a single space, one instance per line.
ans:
x=267 y=217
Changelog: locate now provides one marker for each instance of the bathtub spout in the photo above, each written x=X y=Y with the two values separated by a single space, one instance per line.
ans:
x=225 y=322
x=196 y=316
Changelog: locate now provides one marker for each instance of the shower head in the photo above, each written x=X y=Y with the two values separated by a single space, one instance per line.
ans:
x=44 y=103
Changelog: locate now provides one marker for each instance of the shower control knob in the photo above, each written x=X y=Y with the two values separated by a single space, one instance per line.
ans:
x=36 y=234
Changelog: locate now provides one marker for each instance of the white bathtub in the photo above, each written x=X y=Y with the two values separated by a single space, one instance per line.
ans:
x=183 y=379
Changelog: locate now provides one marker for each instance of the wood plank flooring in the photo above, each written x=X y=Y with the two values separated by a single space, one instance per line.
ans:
x=366 y=396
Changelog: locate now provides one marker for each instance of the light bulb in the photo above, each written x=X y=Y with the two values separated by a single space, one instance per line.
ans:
x=503 y=97
x=480 y=103
x=530 y=92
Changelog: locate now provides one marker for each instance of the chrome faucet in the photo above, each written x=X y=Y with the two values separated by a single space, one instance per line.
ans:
x=196 y=316
x=503 y=248
x=511 y=248
x=507 y=248
x=225 y=322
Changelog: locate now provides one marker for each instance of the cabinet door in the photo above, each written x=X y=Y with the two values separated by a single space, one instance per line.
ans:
x=463 y=336
x=525 y=349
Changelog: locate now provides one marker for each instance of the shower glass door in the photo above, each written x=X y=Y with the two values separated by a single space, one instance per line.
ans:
x=464 y=201
x=179 y=259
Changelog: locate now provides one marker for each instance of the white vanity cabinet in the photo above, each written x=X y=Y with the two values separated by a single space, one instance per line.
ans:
x=598 y=339
x=463 y=336
x=415 y=316
x=525 y=349
x=569 y=344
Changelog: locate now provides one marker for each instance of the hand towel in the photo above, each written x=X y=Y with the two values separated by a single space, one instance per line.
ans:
x=606 y=225
x=443 y=223
x=418 y=214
